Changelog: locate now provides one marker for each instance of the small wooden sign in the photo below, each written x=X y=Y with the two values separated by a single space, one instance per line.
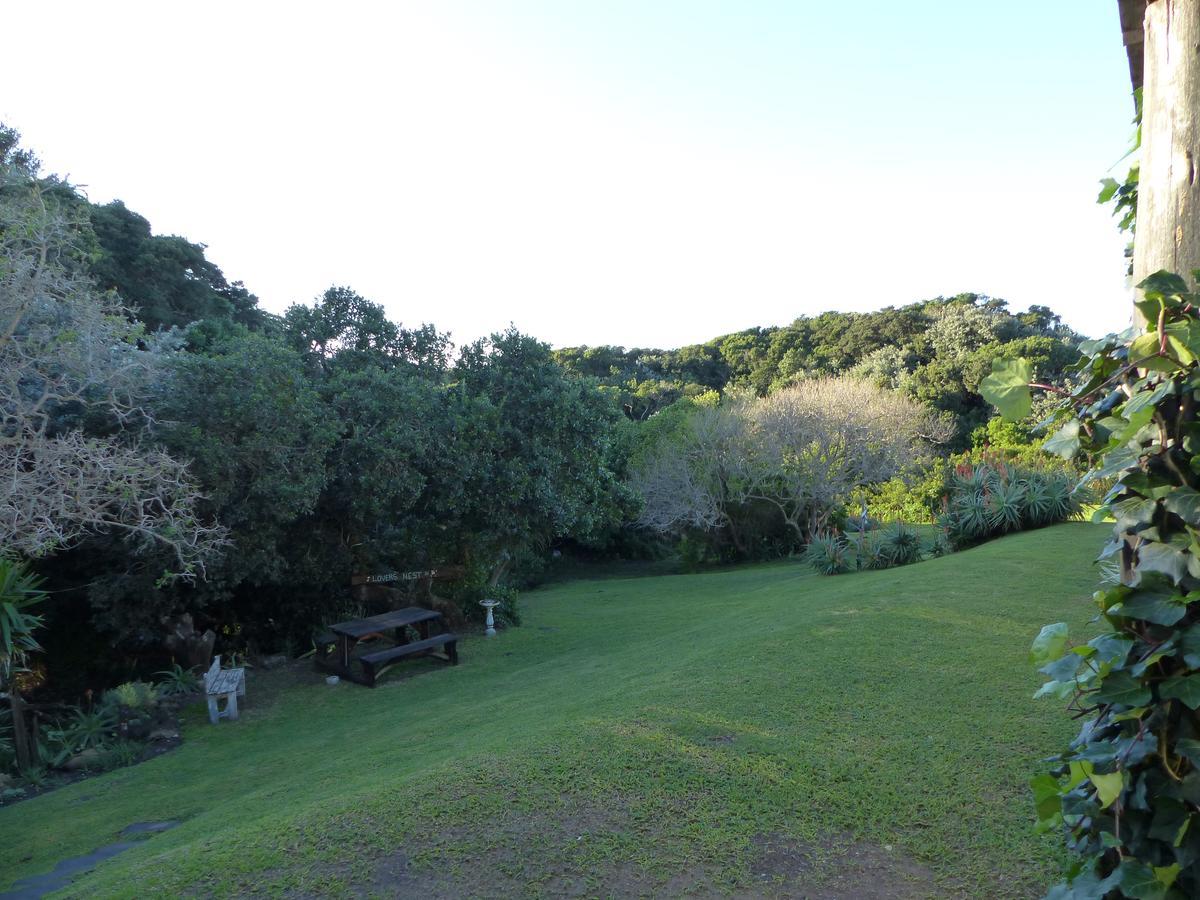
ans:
x=442 y=573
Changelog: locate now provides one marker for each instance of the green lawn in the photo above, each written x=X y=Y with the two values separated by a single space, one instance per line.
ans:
x=657 y=735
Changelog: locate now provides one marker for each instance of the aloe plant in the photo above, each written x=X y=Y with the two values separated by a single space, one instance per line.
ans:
x=20 y=589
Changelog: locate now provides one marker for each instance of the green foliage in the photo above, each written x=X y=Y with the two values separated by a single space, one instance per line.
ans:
x=830 y=554
x=536 y=442
x=910 y=499
x=177 y=681
x=89 y=729
x=901 y=544
x=475 y=587
x=983 y=500
x=1007 y=387
x=1123 y=195
x=164 y=279
x=1127 y=791
x=873 y=554
x=937 y=351
x=135 y=695
x=20 y=589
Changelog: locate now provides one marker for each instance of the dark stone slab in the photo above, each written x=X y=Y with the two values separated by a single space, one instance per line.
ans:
x=37 y=886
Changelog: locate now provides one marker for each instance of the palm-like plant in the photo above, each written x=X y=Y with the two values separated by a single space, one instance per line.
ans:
x=177 y=681
x=1039 y=502
x=973 y=516
x=20 y=589
x=1006 y=503
x=829 y=554
x=902 y=544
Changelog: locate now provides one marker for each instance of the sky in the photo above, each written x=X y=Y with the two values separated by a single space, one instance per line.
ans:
x=646 y=173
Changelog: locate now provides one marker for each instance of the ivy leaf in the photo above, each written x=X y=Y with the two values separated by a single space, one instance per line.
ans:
x=1163 y=282
x=1169 y=818
x=1086 y=885
x=1108 y=190
x=1121 y=688
x=1059 y=690
x=1185 y=503
x=1145 y=345
x=1131 y=513
x=1156 y=556
x=1115 y=462
x=1110 y=648
x=1063 y=668
x=1065 y=441
x=1167 y=874
x=1185 y=688
x=1047 y=801
x=1049 y=645
x=1137 y=880
x=1190 y=645
x=1007 y=387
x=1154 y=606
x=1189 y=748
x=1133 y=749
x=1147 y=399
x=1108 y=787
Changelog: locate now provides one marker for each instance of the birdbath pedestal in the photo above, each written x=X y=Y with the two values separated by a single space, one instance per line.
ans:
x=489 y=605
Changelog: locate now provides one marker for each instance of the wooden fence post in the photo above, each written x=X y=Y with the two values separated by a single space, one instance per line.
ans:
x=21 y=746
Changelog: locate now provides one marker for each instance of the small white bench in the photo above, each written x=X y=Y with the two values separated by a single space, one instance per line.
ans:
x=227 y=684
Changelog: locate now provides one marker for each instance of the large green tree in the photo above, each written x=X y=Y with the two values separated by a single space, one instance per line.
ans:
x=165 y=280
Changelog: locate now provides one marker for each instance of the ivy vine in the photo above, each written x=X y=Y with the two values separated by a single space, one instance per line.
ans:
x=1126 y=792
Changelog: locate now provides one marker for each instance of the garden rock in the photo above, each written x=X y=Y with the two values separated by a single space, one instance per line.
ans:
x=82 y=760
x=274 y=661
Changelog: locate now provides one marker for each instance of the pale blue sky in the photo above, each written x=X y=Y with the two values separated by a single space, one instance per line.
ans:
x=643 y=173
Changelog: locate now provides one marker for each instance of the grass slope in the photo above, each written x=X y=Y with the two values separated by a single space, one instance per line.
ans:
x=635 y=734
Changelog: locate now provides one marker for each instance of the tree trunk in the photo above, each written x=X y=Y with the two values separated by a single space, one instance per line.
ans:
x=1168 y=231
x=20 y=737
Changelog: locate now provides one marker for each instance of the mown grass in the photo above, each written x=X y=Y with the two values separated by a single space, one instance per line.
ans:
x=662 y=723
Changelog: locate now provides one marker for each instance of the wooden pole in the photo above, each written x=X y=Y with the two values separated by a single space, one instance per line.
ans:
x=20 y=733
x=1168 y=230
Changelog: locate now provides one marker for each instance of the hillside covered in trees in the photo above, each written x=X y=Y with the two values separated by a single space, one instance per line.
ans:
x=221 y=467
x=936 y=351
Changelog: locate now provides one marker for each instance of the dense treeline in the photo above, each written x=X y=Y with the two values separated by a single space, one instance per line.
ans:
x=225 y=466
x=302 y=447
x=935 y=351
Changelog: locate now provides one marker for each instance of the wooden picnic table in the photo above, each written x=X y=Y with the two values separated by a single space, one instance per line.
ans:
x=347 y=635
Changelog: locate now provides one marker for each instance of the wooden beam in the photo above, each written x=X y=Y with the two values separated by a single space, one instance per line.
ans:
x=1133 y=16
x=1168 y=213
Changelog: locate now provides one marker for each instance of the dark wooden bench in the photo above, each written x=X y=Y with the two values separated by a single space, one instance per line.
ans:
x=374 y=663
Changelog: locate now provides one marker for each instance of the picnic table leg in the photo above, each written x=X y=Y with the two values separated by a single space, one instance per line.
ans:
x=401 y=635
x=344 y=648
x=423 y=628
x=231 y=706
x=213 y=715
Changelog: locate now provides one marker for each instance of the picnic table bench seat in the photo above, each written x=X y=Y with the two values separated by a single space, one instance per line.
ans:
x=373 y=663
x=335 y=650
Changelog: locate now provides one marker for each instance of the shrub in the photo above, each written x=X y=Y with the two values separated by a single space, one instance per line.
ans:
x=131 y=695
x=875 y=555
x=901 y=544
x=829 y=554
x=938 y=545
x=983 y=500
x=177 y=681
x=89 y=729
x=1006 y=505
x=474 y=587
x=912 y=498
